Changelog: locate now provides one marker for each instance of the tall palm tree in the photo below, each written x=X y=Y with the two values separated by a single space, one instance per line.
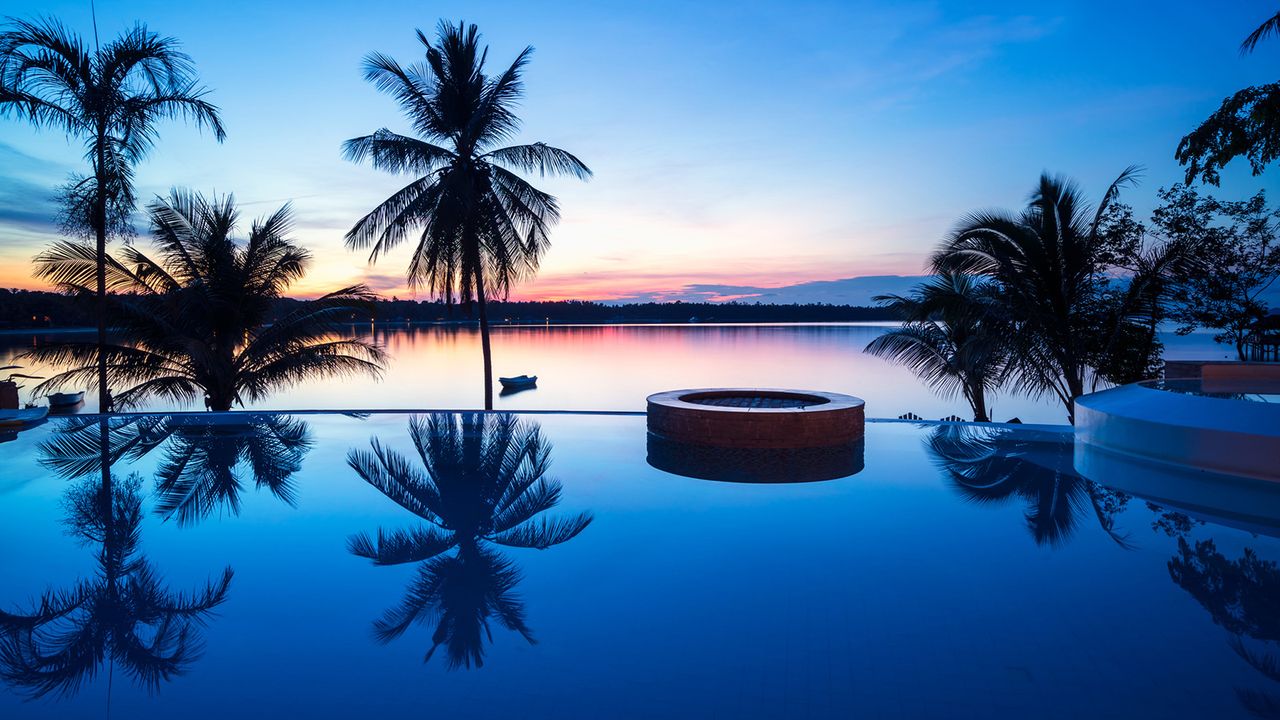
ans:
x=1049 y=265
x=197 y=320
x=481 y=227
x=111 y=99
x=123 y=616
x=483 y=484
x=206 y=460
x=951 y=338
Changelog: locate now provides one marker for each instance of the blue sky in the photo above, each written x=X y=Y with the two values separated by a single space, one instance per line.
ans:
x=737 y=144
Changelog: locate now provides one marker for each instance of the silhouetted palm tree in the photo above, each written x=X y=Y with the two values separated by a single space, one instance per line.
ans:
x=197 y=321
x=110 y=99
x=482 y=227
x=483 y=482
x=951 y=338
x=1049 y=267
x=992 y=465
x=203 y=456
x=123 y=616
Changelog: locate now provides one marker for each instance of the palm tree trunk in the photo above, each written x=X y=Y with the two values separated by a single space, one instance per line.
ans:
x=484 y=343
x=1075 y=388
x=979 y=401
x=100 y=229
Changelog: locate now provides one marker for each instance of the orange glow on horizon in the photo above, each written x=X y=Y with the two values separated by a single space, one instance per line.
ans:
x=553 y=289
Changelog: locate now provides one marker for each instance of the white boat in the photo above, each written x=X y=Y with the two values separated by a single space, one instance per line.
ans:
x=25 y=416
x=518 y=382
x=63 y=399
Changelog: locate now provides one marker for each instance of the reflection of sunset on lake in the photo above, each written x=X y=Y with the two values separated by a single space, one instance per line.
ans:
x=614 y=367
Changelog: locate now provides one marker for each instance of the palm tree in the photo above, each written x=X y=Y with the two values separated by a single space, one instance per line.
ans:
x=987 y=464
x=200 y=472
x=482 y=227
x=110 y=99
x=950 y=338
x=123 y=616
x=197 y=321
x=1269 y=27
x=1049 y=265
x=483 y=483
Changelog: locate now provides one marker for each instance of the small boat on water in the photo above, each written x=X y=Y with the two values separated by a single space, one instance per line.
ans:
x=519 y=382
x=25 y=416
x=65 y=399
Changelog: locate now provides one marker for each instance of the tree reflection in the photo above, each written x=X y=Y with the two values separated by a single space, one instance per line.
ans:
x=123 y=615
x=1243 y=597
x=482 y=484
x=989 y=464
x=203 y=456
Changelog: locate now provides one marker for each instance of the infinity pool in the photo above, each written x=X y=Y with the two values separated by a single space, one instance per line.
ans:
x=321 y=566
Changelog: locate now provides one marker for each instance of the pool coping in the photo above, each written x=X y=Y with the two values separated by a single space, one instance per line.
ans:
x=419 y=411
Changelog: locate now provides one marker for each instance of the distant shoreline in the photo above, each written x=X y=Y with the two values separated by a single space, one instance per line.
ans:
x=382 y=324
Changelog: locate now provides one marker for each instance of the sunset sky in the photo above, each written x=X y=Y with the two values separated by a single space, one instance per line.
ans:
x=735 y=143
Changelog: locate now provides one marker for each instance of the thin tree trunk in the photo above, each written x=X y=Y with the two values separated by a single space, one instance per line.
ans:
x=979 y=401
x=484 y=343
x=106 y=496
x=100 y=229
x=1075 y=388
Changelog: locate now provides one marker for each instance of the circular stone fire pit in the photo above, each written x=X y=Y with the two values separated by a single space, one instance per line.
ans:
x=756 y=418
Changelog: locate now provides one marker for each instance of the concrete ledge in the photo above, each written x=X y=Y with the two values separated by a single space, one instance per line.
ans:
x=1220 y=435
x=822 y=419
x=1228 y=371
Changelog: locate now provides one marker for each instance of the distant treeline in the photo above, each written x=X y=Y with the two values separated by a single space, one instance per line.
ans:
x=40 y=309
x=578 y=311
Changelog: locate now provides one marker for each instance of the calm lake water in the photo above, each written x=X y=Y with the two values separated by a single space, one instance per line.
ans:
x=614 y=367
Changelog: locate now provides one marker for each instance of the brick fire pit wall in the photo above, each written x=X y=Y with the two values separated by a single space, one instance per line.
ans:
x=756 y=417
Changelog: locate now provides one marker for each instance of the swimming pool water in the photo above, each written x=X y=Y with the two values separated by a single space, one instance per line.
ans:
x=963 y=571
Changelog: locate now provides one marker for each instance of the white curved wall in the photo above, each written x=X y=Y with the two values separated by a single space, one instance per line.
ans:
x=1236 y=437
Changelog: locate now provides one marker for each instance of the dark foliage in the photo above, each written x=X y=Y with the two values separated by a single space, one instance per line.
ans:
x=41 y=309
x=1247 y=124
x=1055 y=268
x=192 y=321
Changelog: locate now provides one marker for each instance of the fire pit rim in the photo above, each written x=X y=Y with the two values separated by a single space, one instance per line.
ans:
x=837 y=419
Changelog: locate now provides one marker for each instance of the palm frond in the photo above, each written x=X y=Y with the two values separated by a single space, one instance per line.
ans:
x=1269 y=27
x=540 y=158
x=544 y=533
x=402 y=546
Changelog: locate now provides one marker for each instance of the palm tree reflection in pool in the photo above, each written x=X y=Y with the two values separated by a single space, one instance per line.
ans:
x=989 y=464
x=200 y=471
x=124 y=615
x=483 y=484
